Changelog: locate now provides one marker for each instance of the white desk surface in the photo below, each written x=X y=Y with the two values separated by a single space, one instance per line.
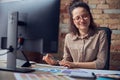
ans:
x=11 y=76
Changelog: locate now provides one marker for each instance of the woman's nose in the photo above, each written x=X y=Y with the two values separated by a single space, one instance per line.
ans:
x=81 y=19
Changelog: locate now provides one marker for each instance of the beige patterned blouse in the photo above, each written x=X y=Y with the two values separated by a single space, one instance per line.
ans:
x=92 y=47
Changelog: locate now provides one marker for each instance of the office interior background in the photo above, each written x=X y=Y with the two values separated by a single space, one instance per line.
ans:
x=106 y=13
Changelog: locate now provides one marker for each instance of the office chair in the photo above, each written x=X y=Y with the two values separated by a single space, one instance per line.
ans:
x=108 y=32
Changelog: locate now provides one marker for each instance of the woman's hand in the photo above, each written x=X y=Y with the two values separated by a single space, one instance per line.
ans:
x=67 y=64
x=48 y=58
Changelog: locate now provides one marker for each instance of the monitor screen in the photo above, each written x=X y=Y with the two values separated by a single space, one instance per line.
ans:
x=38 y=23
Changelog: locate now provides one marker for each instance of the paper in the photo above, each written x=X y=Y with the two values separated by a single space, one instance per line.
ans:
x=3 y=55
x=113 y=76
x=50 y=66
x=67 y=72
x=101 y=71
x=81 y=75
x=103 y=78
x=22 y=76
x=52 y=70
x=78 y=73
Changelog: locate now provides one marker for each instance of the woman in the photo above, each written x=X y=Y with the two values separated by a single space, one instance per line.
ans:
x=85 y=46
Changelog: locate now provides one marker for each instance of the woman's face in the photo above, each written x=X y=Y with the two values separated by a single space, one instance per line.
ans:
x=81 y=18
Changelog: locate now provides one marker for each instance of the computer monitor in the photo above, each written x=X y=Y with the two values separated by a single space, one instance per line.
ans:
x=37 y=22
x=42 y=22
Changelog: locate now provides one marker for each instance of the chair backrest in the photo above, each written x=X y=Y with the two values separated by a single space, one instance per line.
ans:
x=108 y=32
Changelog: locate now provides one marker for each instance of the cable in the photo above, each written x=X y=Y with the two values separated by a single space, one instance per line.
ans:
x=10 y=49
x=20 y=41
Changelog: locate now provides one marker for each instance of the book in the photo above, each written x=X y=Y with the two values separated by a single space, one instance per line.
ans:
x=109 y=76
x=82 y=75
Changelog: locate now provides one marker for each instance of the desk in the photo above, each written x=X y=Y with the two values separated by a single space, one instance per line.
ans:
x=5 y=75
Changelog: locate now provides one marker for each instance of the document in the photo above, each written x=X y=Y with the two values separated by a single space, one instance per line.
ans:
x=110 y=76
x=50 y=66
x=68 y=72
x=81 y=75
x=78 y=73
x=3 y=55
x=30 y=76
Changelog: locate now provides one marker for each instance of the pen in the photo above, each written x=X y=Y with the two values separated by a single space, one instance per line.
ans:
x=94 y=75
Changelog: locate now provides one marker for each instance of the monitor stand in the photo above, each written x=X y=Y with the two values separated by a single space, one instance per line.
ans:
x=20 y=70
x=11 y=57
x=12 y=45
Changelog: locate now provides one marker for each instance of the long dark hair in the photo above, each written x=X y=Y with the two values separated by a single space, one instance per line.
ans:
x=74 y=4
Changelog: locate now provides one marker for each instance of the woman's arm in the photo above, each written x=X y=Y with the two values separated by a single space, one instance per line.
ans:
x=102 y=53
x=90 y=65
x=48 y=58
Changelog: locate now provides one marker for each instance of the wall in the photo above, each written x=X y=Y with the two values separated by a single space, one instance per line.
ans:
x=105 y=13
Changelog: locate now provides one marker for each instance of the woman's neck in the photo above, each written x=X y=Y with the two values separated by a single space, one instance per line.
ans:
x=83 y=32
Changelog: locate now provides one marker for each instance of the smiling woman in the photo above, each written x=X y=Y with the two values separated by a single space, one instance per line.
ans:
x=81 y=19
x=85 y=46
